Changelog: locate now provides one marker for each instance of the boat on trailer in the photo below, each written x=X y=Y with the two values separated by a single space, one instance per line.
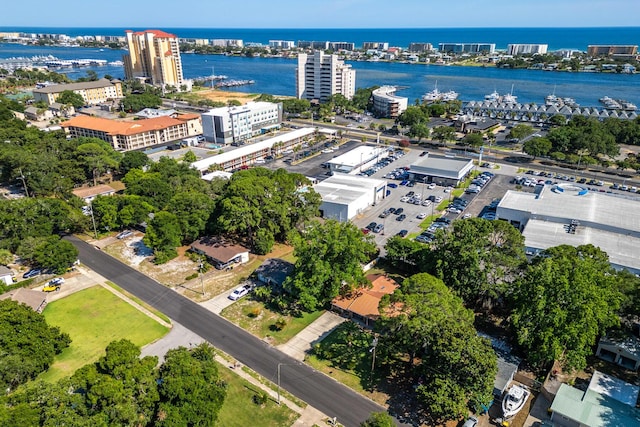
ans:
x=514 y=401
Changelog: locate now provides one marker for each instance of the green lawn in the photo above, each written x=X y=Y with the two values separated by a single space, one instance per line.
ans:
x=240 y=410
x=254 y=317
x=93 y=318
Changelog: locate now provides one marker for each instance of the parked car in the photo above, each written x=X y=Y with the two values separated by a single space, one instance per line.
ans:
x=239 y=293
x=399 y=211
x=431 y=186
x=471 y=422
x=401 y=217
x=443 y=220
x=124 y=234
x=371 y=225
x=365 y=231
x=32 y=273
x=421 y=215
x=402 y=233
x=392 y=185
x=53 y=285
x=378 y=228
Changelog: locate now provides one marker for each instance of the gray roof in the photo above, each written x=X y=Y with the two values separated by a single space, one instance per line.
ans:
x=5 y=271
x=599 y=215
x=76 y=86
x=445 y=167
x=275 y=270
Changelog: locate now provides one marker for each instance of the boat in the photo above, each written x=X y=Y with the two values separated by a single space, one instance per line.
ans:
x=434 y=95
x=492 y=97
x=449 y=96
x=514 y=400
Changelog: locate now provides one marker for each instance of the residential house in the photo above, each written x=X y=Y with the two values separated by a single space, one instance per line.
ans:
x=89 y=193
x=221 y=253
x=37 y=114
x=362 y=304
x=34 y=299
x=607 y=402
x=274 y=271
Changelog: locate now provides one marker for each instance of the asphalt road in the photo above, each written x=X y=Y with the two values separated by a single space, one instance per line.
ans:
x=315 y=388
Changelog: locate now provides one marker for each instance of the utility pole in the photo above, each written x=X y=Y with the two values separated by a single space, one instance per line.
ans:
x=24 y=182
x=279 y=364
x=200 y=267
x=93 y=219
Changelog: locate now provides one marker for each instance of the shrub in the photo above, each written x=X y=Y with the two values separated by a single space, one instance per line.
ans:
x=260 y=398
x=254 y=312
x=280 y=323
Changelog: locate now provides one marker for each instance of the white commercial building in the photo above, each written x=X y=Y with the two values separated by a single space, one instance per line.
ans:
x=282 y=44
x=358 y=159
x=440 y=170
x=345 y=196
x=522 y=49
x=387 y=104
x=235 y=125
x=251 y=154
x=319 y=76
x=571 y=214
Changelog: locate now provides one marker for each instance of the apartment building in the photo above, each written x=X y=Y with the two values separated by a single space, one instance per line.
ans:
x=282 y=44
x=93 y=93
x=387 y=104
x=420 y=47
x=227 y=43
x=527 y=49
x=319 y=76
x=155 y=57
x=127 y=135
x=235 y=125
x=612 y=50
x=313 y=45
x=348 y=46
x=467 y=47
x=375 y=46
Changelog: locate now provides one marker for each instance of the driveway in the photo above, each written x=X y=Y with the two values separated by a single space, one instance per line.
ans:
x=299 y=346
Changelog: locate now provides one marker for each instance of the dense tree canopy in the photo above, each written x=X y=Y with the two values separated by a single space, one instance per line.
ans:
x=568 y=297
x=260 y=205
x=329 y=259
x=135 y=102
x=27 y=344
x=478 y=259
x=425 y=323
x=123 y=389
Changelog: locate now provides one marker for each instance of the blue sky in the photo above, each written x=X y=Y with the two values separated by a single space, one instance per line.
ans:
x=320 y=13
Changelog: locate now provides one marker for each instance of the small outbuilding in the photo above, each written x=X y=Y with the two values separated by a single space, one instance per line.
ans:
x=6 y=275
x=221 y=253
x=621 y=351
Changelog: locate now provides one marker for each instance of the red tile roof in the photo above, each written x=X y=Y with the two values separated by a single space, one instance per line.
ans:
x=157 y=33
x=365 y=301
x=114 y=127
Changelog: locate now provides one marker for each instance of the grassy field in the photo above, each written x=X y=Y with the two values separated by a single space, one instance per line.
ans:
x=254 y=317
x=239 y=408
x=93 y=318
x=139 y=302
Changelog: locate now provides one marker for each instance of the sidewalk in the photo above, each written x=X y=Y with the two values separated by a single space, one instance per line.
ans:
x=298 y=346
